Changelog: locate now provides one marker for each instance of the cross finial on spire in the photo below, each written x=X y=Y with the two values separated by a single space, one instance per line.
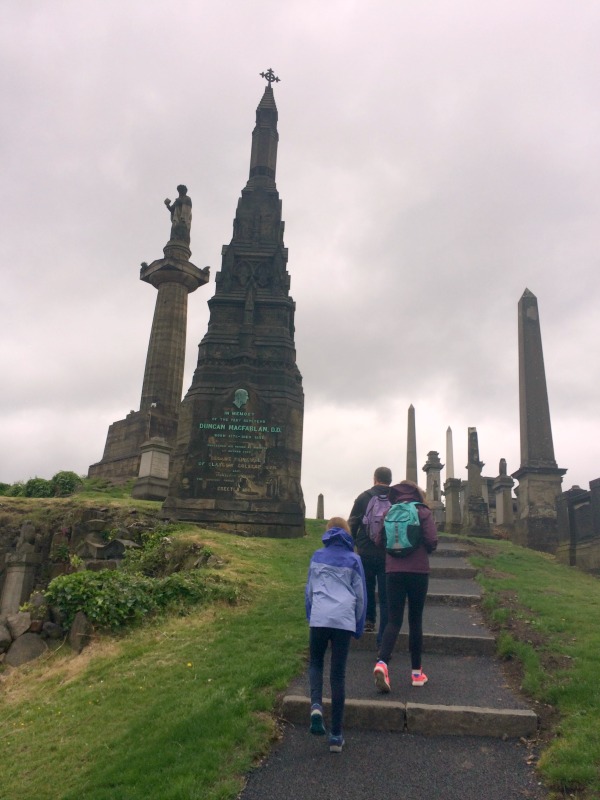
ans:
x=269 y=76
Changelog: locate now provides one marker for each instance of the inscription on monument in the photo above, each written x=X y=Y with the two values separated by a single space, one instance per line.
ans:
x=235 y=448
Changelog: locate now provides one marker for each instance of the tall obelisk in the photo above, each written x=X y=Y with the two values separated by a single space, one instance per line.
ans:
x=411 y=447
x=539 y=477
x=452 y=487
x=237 y=463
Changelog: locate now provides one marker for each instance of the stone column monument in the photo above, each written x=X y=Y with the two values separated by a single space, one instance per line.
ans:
x=237 y=461
x=411 y=447
x=502 y=486
x=452 y=521
x=476 y=520
x=539 y=478
x=433 y=492
x=174 y=277
x=320 y=507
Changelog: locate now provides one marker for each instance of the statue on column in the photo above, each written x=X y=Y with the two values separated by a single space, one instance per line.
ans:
x=181 y=216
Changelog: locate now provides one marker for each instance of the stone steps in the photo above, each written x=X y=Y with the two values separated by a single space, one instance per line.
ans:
x=466 y=693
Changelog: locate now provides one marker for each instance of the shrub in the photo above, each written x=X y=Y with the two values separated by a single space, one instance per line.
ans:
x=113 y=599
x=38 y=487
x=17 y=490
x=4 y=487
x=65 y=483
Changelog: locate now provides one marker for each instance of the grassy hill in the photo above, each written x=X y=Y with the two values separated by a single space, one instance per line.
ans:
x=183 y=705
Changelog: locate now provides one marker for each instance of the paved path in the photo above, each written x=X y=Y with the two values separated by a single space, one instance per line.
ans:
x=462 y=736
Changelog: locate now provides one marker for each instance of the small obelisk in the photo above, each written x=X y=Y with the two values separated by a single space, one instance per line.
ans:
x=452 y=521
x=411 y=447
x=539 y=477
x=432 y=469
x=320 y=507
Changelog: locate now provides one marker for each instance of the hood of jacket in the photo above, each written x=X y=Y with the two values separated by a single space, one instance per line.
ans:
x=338 y=536
x=406 y=492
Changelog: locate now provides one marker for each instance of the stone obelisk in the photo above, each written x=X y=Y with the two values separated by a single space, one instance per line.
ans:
x=411 y=447
x=539 y=477
x=432 y=469
x=174 y=277
x=237 y=463
x=452 y=485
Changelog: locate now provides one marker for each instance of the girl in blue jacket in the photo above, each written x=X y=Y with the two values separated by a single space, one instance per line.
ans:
x=335 y=609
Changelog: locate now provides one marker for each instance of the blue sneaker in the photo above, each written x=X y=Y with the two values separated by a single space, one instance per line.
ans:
x=317 y=727
x=336 y=743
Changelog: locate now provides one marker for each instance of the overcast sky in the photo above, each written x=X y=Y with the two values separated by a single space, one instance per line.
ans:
x=435 y=160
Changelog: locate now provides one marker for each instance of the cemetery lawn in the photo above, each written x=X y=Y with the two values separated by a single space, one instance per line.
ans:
x=547 y=621
x=184 y=706
x=181 y=707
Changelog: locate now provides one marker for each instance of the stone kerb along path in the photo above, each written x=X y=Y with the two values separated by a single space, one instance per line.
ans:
x=466 y=694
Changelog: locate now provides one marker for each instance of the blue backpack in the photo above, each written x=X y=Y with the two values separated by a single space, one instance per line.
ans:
x=402 y=529
x=374 y=513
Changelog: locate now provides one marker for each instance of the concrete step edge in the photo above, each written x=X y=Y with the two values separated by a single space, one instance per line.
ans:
x=431 y=720
x=443 y=643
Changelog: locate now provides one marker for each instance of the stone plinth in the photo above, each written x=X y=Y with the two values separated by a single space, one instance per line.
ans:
x=537 y=492
x=453 y=520
x=433 y=492
x=503 y=486
x=574 y=524
x=153 y=478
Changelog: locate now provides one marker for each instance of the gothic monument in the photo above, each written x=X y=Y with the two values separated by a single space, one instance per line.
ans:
x=237 y=460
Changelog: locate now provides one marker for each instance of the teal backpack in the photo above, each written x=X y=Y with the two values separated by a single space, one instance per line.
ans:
x=402 y=529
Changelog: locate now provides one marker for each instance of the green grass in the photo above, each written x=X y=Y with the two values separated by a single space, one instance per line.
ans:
x=556 y=611
x=180 y=708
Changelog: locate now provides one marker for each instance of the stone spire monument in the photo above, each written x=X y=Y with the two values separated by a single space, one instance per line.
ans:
x=174 y=277
x=239 y=444
x=539 y=477
x=433 y=493
x=411 y=447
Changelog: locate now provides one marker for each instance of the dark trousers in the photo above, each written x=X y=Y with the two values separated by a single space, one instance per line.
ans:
x=340 y=644
x=403 y=586
x=374 y=567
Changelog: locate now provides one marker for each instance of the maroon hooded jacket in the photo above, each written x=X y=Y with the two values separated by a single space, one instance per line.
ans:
x=403 y=492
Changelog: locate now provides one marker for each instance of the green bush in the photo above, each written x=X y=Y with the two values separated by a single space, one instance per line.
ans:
x=65 y=483
x=113 y=599
x=38 y=487
x=4 y=487
x=17 y=490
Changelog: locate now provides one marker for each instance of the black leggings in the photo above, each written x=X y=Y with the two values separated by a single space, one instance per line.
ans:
x=400 y=586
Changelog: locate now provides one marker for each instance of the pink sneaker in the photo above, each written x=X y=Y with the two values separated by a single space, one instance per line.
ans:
x=418 y=678
x=382 y=679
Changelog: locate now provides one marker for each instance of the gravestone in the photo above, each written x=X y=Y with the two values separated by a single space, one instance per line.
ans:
x=237 y=461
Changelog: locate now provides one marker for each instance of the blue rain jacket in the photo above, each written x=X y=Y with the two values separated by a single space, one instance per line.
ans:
x=335 y=590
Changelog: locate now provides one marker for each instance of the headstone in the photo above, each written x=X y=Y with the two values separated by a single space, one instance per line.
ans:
x=237 y=463
x=411 y=447
x=80 y=633
x=174 y=277
x=539 y=478
x=574 y=523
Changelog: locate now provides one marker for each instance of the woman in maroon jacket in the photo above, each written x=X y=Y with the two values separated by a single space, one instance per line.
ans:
x=407 y=579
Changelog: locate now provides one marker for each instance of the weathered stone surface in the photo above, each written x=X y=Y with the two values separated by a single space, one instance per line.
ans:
x=237 y=462
x=80 y=633
x=26 y=648
x=358 y=714
x=18 y=623
x=436 y=720
x=52 y=630
x=97 y=565
x=5 y=638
